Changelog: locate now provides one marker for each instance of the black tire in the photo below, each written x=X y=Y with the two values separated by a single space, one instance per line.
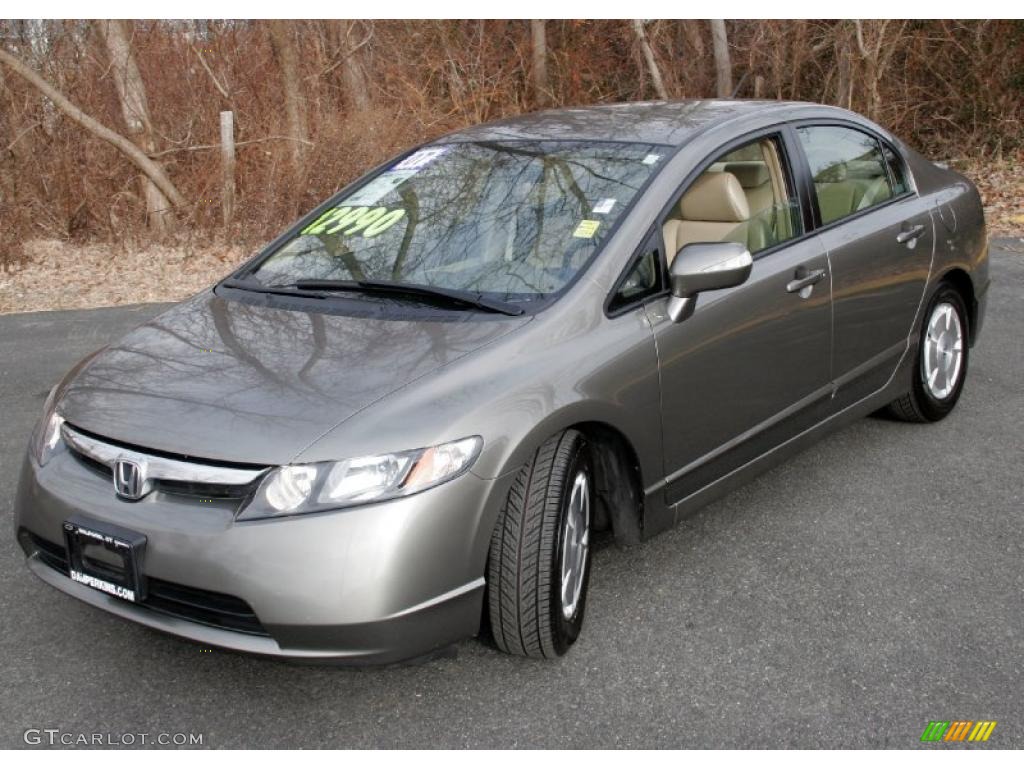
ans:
x=919 y=404
x=524 y=569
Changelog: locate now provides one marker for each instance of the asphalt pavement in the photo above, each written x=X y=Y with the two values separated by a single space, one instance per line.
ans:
x=845 y=599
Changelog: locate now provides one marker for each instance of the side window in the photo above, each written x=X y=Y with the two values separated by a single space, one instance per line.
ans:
x=896 y=173
x=744 y=196
x=643 y=279
x=848 y=169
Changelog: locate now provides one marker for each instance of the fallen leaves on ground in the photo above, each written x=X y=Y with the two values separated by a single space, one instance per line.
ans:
x=1001 y=185
x=60 y=275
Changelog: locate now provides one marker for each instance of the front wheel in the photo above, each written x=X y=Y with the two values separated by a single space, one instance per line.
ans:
x=539 y=563
x=938 y=377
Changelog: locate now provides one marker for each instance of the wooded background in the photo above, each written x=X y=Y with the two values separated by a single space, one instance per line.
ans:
x=110 y=131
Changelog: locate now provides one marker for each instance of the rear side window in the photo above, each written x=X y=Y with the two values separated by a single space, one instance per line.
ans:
x=899 y=178
x=849 y=170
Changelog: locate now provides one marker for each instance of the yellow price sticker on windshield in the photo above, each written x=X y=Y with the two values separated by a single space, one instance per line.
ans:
x=586 y=228
x=349 y=221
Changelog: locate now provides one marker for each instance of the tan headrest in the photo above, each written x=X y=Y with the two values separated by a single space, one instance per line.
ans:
x=749 y=173
x=833 y=174
x=715 y=197
x=864 y=169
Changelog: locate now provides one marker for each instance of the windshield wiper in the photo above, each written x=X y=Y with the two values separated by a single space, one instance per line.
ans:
x=251 y=285
x=451 y=295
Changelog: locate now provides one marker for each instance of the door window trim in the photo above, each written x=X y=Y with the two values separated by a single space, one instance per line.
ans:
x=786 y=149
x=808 y=181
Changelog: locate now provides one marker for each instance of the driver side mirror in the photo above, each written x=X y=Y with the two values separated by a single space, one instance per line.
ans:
x=700 y=267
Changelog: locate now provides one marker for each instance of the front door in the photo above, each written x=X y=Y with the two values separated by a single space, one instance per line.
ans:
x=750 y=367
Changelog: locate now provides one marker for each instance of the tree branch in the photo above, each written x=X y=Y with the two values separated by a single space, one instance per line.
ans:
x=138 y=158
x=213 y=77
x=199 y=147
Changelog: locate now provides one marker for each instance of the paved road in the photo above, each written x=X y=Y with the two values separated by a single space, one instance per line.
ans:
x=870 y=585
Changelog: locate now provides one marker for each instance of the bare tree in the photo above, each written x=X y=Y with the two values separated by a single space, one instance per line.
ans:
x=541 y=88
x=648 y=53
x=876 y=52
x=723 y=64
x=294 y=100
x=131 y=93
x=153 y=171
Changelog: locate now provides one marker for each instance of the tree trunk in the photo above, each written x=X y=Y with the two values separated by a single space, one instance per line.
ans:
x=152 y=170
x=294 y=100
x=131 y=92
x=723 y=65
x=648 y=53
x=541 y=89
x=352 y=73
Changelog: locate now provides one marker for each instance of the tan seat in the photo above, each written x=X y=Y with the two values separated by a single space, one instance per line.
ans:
x=755 y=179
x=714 y=209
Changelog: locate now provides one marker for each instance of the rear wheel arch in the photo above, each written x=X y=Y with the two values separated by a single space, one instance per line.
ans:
x=961 y=281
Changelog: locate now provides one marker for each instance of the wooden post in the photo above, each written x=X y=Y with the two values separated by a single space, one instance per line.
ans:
x=227 y=156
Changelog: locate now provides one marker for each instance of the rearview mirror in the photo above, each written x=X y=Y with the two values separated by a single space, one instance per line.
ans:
x=701 y=267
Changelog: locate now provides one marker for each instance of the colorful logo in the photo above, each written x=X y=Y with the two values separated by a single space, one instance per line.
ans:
x=958 y=730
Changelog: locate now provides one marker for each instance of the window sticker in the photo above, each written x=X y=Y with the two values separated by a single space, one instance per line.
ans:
x=348 y=220
x=651 y=159
x=605 y=206
x=418 y=160
x=586 y=228
x=378 y=188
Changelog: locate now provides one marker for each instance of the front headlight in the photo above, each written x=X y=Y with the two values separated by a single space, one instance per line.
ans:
x=300 y=488
x=47 y=433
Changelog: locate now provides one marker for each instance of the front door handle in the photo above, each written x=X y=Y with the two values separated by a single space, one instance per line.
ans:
x=910 y=234
x=804 y=279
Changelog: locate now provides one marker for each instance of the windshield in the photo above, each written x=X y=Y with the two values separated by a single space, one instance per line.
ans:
x=515 y=221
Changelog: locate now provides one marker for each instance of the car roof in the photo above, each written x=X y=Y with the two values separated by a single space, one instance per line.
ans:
x=649 y=122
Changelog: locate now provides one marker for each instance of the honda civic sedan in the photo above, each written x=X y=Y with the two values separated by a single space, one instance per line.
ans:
x=404 y=420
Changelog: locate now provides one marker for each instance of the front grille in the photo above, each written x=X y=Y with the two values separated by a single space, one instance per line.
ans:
x=178 y=475
x=214 y=609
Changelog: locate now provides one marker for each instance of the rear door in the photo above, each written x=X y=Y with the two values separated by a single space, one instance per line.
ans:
x=879 y=238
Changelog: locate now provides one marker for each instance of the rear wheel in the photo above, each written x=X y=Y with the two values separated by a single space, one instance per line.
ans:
x=539 y=564
x=938 y=377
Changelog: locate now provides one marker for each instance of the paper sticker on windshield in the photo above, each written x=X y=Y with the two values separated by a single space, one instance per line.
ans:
x=378 y=188
x=605 y=206
x=651 y=159
x=418 y=160
x=586 y=228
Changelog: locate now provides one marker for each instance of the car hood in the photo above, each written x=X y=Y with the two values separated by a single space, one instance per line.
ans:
x=232 y=381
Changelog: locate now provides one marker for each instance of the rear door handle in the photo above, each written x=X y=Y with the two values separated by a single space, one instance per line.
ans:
x=912 y=233
x=804 y=279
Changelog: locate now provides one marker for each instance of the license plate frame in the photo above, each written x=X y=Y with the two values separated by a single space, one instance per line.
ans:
x=118 y=570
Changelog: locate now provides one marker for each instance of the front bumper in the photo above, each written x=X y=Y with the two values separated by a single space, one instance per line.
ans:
x=372 y=584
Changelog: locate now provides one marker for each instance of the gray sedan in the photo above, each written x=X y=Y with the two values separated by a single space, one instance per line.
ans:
x=403 y=421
